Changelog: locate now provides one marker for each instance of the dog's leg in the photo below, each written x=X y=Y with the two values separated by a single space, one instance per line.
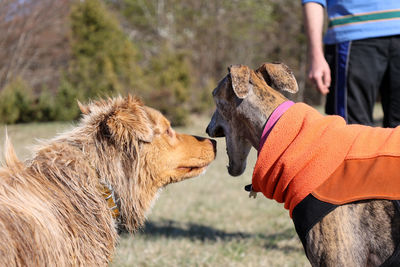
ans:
x=361 y=234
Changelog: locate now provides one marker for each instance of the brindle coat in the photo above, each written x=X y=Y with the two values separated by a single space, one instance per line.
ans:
x=359 y=234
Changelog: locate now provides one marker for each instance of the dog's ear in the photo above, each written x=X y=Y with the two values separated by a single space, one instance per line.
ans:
x=84 y=109
x=129 y=120
x=279 y=77
x=93 y=105
x=240 y=76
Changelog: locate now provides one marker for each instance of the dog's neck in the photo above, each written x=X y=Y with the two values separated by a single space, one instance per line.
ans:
x=258 y=110
x=105 y=188
x=108 y=194
x=272 y=120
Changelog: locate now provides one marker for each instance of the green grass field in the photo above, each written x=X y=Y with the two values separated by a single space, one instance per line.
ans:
x=205 y=221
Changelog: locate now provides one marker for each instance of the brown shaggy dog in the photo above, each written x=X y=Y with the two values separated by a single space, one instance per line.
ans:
x=52 y=209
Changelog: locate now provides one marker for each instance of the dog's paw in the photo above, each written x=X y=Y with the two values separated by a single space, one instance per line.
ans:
x=249 y=188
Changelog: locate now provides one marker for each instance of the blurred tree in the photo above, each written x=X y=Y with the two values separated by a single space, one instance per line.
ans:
x=104 y=61
x=218 y=34
x=16 y=102
x=170 y=78
x=33 y=41
x=66 y=107
x=44 y=108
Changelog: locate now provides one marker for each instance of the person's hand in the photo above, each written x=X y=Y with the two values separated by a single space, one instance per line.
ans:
x=319 y=74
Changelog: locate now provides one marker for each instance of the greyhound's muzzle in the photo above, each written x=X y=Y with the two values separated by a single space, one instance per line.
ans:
x=213 y=128
x=215 y=131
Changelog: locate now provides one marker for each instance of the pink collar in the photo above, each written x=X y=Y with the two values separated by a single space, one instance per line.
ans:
x=273 y=118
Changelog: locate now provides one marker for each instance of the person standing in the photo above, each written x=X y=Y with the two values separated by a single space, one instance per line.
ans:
x=361 y=58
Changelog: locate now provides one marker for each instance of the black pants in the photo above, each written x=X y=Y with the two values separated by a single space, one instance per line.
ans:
x=360 y=70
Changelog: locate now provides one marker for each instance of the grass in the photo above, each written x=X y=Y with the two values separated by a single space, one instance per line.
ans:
x=205 y=221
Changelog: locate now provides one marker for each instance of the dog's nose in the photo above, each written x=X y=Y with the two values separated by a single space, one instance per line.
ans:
x=215 y=131
x=214 y=143
x=208 y=131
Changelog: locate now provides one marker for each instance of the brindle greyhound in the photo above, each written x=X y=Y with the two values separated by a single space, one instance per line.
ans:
x=363 y=233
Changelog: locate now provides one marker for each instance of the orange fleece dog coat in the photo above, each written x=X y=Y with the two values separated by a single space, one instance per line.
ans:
x=338 y=163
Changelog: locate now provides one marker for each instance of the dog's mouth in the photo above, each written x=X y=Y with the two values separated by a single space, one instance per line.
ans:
x=237 y=155
x=189 y=171
x=236 y=170
x=193 y=168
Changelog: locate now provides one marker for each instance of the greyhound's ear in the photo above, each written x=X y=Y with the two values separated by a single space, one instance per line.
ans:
x=279 y=77
x=240 y=76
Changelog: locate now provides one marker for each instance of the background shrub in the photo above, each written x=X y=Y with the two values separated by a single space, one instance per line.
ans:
x=104 y=60
x=65 y=107
x=44 y=108
x=170 y=79
x=16 y=102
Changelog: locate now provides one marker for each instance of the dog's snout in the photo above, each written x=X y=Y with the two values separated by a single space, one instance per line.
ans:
x=210 y=130
x=214 y=144
x=199 y=138
x=215 y=131
x=218 y=132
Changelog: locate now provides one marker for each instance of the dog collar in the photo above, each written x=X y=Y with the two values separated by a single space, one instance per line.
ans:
x=272 y=120
x=108 y=194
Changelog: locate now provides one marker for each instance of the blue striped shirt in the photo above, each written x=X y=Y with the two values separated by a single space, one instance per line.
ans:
x=359 y=19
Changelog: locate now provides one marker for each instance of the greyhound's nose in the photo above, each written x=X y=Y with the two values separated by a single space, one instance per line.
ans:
x=215 y=131
x=208 y=131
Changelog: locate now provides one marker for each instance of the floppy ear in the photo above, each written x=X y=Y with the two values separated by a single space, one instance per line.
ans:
x=279 y=77
x=127 y=122
x=240 y=76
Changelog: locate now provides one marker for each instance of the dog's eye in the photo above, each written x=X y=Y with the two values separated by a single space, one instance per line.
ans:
x=170 y=132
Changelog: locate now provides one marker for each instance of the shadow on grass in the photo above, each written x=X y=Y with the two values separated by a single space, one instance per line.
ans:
x=192 y=231
x=204 y=233
x=273 y=241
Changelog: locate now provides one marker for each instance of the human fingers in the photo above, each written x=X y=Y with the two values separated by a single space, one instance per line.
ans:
x=316 y=77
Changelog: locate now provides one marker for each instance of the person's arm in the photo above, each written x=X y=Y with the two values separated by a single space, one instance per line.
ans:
x=319 y=72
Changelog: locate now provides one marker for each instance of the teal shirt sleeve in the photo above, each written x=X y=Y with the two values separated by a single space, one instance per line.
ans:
x=321 y=2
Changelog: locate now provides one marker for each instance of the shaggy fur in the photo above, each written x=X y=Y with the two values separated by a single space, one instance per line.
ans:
x=52 y=212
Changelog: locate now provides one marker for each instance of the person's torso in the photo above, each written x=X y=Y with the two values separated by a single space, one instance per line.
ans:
x=355 y=19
